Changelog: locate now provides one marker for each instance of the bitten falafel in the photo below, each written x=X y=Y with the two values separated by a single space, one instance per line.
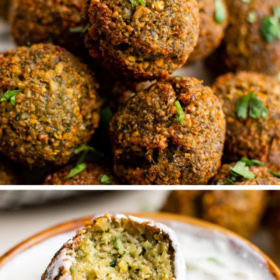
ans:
x=213 y=22
x=171 y=133
x=251 y=103
x=252 y=39
x=44 y=21
x=239 y=211
x=142 y=39
x=94 y=174
x=48 y=104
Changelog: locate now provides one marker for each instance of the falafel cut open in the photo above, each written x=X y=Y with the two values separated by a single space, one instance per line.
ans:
x=93 y=174
x=251 y=103
x=43 y=21
x=142 y=39
x=119 y=247
x=48 y=105
x=170 y=133
x=252 y=41
x=213 y=22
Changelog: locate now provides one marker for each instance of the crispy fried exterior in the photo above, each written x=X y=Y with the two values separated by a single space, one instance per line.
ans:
x=7 y=175
x=239 y=211
x=262 y=176
x=245 y=47
x=142 y=42
x=251 y=138
x=42 y=21
x=56 y=110
x=4 y=6
x=91 y=176
x=151 y=147
x=211 y=31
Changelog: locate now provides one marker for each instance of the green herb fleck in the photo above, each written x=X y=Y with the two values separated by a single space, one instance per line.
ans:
x=220 y=12
x=275 y=174
x=80 y=29
x=240 y=169
x=250 y=103
x=136 y=3
x=105 y=180
x=10 y=95
x=181 y=115
x=270 y=26
x=113 y=263
x=83 y=148
x=137 y=269
x=80 y=167
x=115 y=243
x=252 y=17
x=251 y=162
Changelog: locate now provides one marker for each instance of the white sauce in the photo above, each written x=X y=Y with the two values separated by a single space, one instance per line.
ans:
x=208 y=256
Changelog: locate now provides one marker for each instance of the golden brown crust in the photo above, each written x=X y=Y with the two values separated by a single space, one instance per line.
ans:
x=56 y=108
x=251 y=138
x=142 y=42
x=152 y=147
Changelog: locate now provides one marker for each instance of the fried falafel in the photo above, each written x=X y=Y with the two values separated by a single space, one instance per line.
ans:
x=94 y=174
x=44 y=21
x=171 y=133
x=251 y=103
x=145 y=40
x=213 y=22
x=251 y=41
x=48 y=107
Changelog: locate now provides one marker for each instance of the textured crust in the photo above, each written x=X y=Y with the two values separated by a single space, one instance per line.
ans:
x=56 y=110
x=152 y=147
x=239 y=211
x=211 y=32
x=42 y=21
x=245 y=48
x=251 y=138
x=142 y=42
x=91 y=176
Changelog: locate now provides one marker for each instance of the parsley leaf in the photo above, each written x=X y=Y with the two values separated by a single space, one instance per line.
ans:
x=136 y=3
x=181 y=114
x=83 y=148
x=252 y=105
x=220 y=12
x=240 y=169
x=270 y=26
x=113 y=263
x=10 y=95
x=251 y=162
x=79 y=168
x=275 y=174
x=105 y=180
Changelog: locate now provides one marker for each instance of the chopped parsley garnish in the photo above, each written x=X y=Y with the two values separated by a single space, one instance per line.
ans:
x=275 y=174
x=136 y=3
x=250 y=104
x=113 y=263
x=80 y=29
x=270 y=26
x=137 y=269
x=10 y=95
x=105 y=180
x=242 y=170
x=115 y=243
x=181 y=115
x=251 y=162
x=80 y=167
x=252 y=17
x=220 y=12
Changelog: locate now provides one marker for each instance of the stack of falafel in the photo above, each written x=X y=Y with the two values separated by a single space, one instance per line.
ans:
x=82 y=61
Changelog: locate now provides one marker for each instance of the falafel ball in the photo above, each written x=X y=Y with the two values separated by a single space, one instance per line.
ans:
x=145 y=40
x=7 y=175
x=239 y=211
x=262 y=176
x=44 y=21
x=251 y=43
x=170 y=133
x=94 y=174
x=48 y=105
x=4 y=6
x=251 y=103
x=213 y=22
